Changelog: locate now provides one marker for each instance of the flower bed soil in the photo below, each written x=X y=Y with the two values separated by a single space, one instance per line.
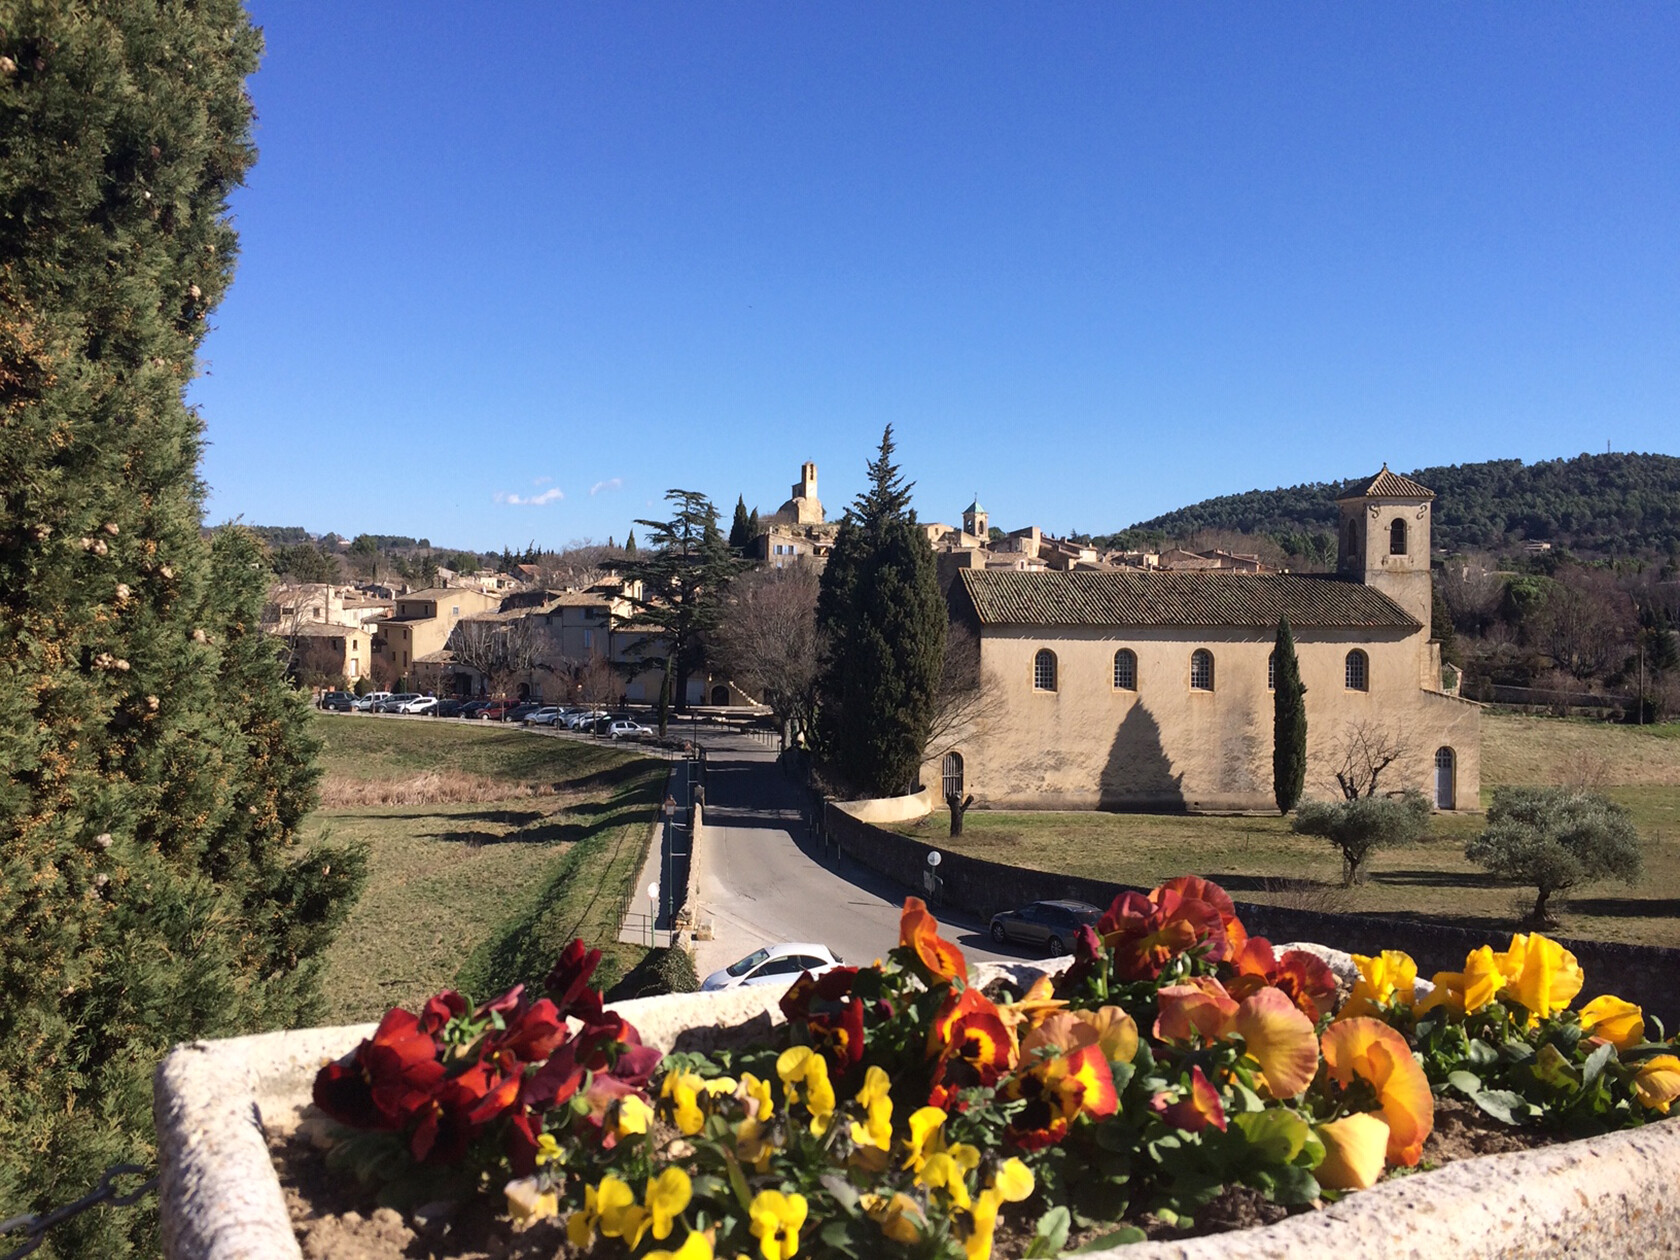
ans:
x=333 y=1220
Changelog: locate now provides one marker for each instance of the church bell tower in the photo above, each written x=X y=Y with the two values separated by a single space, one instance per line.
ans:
x=1383 y=540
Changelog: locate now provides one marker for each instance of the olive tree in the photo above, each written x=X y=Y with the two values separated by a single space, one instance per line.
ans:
x=1363 y=824
x=1553 y=839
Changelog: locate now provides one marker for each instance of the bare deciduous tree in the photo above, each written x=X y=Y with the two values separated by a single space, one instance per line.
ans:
x=1361 y=753
x=501 y=649
x=1586 y=621
x=960 y=703
x=1472 y=589
x=766 y=639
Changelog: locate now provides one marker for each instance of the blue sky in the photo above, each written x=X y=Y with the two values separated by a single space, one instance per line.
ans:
x=509 y=272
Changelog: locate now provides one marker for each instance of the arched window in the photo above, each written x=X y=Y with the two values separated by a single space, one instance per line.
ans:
x=1271 y=671
x=1446 y=789
x=1201 y=670
x=1358 y=671
x=1044 y=670
x=1125 y=670
x=951 y=775
x=1352 y=539
x=1397 y=538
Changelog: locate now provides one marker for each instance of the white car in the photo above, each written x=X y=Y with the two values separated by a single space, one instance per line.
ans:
x=548 y=715
x=626 y=729
x=364 y=704
x=575 y=720
x=419 y=704
x=773 y=964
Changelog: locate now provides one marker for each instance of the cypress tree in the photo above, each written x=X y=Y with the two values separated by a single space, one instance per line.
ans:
x=883 y=624
x=158 y=767
x=741 y=532
x=1289 y=722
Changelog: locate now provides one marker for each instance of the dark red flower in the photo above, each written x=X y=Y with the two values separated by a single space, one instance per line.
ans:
x=1304 y=977
x=532 y=1034
x=1143 y=934
x=385 y=1080
x=831 y=1013
x=440 y=1010
x=568 y=983
x=505 y=1005
x=447 y=1125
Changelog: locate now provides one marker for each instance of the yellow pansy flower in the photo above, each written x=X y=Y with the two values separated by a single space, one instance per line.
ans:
x=925 y=1124
x=526 y=1203
x=900 y=1217
x=776 y=1219
x=1384 y=979
x=1468 y=991
x=1541 y=974
x=1620 y=1023
x=682 y=1091
x=1657 y=1083
x=633 y=1115
x=547 y=1149
x=667 y=1195
x=1355 y=1149
x=948 y=1170
x=1013 y=1183
x=876 y=1128
x=801 y=1064
x=696 y=1246
x=620 y=1215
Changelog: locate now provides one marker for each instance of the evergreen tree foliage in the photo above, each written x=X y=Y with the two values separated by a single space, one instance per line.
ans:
x=683 y=578
x=753 y=529
x=1360 y=826
x=629 y=543
x=157 y=766
x=741 y=533
x=883 y=626
x=1555 y=839
x=1289 y=722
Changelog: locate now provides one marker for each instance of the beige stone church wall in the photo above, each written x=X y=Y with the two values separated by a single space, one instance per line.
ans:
x=1165 y=746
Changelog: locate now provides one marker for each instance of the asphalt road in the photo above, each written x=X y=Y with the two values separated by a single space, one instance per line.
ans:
x=763 y=879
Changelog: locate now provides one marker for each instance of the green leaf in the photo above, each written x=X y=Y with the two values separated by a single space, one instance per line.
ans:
x=1597 y=1061
x=1124 y=1236
x=837 y=1236
x=1504 y=1106
x=1482 y=1054
x=845 y=1194
x=1277 y=1135
x=1293 y=1185
x=1051 y=1235
x=1466 y=1083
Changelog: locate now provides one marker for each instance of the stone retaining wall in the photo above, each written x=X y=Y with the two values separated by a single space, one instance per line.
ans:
x=1646 y=974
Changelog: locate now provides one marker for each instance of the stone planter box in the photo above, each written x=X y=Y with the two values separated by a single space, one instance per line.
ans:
x=219 y=1197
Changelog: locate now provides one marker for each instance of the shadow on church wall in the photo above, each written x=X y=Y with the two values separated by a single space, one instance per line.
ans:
x=1138 y=773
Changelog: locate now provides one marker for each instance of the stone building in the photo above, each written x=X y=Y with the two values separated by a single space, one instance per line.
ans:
x=1151 y=689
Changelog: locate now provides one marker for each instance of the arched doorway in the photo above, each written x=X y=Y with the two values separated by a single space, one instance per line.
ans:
x=524 y=691
x=1446 y=794
x=951 y=776
x=720 y=695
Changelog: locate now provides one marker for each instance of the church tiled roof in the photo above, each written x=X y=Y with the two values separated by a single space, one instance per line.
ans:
x=1386 y=485
x=1148 y=597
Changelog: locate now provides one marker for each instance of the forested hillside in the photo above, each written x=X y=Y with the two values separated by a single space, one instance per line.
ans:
x=1592 y=504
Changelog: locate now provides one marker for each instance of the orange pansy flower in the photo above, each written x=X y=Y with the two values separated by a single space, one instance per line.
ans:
x=919 y=930
x=1371 y=1051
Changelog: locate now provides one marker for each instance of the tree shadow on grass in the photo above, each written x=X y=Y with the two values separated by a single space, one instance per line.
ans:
x=1625 y=907
x=1438 y=879
x=554 y=829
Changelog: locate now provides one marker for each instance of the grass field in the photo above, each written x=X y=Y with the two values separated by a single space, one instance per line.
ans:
x=491 y=848
x=1258 y=859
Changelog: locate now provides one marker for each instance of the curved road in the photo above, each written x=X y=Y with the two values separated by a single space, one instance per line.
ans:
x=764 y=879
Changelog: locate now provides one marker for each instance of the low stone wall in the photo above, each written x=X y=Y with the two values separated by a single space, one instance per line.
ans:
x=889 y=809
x=1646 y=974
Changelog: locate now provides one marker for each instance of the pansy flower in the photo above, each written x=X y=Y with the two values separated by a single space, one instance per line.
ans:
x=1370 y=1051
x=918 y=931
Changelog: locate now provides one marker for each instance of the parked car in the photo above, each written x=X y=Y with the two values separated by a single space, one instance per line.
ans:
x=472 y=708
x=393 y=704
x=419 y=704
x=624 y=728
x=365 y=704
x=449 y=707
x=583 y=719
x=1052 y=924
x=545 y=716
x=496 y=710
x=338 y=701
x=520 y=712
x=773 y=964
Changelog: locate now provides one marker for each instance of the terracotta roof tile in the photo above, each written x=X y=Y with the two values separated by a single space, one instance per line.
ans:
x=1386 y=485
x=1149 y=597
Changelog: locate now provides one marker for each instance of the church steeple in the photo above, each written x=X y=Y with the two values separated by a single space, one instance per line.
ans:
x=1384 y=539
x=974 y=518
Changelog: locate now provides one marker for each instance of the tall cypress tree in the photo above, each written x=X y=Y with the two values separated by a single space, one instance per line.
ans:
x=157 y=766
x=883 y=626
x=741 y=532
x=1289 y=722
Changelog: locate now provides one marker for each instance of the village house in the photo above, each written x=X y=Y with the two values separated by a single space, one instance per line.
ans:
x=330 y=656
x=421 y=625
x=1152 y=689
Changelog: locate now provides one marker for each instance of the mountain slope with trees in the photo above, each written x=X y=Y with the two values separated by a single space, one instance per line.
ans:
x=1595 y=504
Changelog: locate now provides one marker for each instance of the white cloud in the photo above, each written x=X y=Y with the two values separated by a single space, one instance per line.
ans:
x=530 y=500
x=611 y=483
x=541 y=481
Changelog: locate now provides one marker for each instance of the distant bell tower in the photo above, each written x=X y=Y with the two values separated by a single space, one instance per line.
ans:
x=1383 y=540
x=974 y=519
x=804 y=508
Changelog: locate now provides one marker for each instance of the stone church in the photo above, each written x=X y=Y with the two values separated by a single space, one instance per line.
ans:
x=1150 y=689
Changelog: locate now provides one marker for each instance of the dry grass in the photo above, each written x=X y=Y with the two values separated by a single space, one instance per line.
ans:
x=430 y=787
x=1518 y=749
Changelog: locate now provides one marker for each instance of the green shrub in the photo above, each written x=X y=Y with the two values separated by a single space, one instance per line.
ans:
x=1358 y=827
x=662 y=971
x=1555 y=839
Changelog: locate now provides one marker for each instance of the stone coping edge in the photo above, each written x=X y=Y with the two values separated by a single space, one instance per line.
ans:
x=220 y=1199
